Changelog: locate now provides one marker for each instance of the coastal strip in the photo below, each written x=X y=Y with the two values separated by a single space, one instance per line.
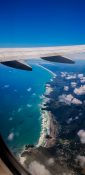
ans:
x=49 y=127
x=49 y=130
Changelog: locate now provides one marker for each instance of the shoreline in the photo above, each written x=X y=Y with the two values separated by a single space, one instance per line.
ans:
x=49 y=128
x=47 y=139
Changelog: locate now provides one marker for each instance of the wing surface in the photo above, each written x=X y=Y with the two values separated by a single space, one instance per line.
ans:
x=13 y=57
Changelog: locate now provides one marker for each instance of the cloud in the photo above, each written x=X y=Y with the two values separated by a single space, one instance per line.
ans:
x=50 y=161
x=35 y=168
x=73 y=84
x=29 y=89
x=48 y=90
x=69 y=99
x=66 y=88
x=19 y=109
x=76 y=101
x=6 y=86
x=10 y=119
x=82 y=80
x=76 y=118
x=34 y=94
x=80 y=76
x=46 y=100
x=81 y=135
x=69 y=77
x=65 y=98
x=41 y=96
x=51 y=79
x=29 y=106
x=11 y=136
x=81 y=161
x=48 y=85
x=63 y=74
x=22 y=160
x=80 y=90
x=69 y=120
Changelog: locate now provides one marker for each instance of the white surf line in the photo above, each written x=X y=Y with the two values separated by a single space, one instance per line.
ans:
x=44 y=129
x=47 y=69
x=45 y=117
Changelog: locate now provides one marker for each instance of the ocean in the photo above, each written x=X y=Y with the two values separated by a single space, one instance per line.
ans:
x=21 y=96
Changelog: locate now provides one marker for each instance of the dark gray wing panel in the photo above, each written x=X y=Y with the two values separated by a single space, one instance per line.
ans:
x=59 y=59
x=17 y=65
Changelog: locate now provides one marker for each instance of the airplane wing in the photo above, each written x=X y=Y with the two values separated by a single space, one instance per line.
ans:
x=15 y=57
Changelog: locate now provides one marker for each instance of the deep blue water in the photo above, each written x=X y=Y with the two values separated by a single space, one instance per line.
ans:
x=20 y=97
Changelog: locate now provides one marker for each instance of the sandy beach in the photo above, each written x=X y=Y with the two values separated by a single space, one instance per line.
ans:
x=48 y=131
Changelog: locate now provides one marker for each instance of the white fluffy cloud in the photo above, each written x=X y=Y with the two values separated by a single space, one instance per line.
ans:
x=80 y=90
x=35 y=168
x=29 y=106
x=76 y=101
x=29 y=89
x=11 y=136
x=69 y=77
x=65 y=98
x=48 y=90
x=80 y=76
x=50 y=161
x=69 y=99
x=63 y=74
x=6 y=86
x=73 y=84
x=81 y=135
x=66 y=88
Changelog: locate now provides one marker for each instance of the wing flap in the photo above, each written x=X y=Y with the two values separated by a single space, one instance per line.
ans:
x=58 y=58
x=17 y=65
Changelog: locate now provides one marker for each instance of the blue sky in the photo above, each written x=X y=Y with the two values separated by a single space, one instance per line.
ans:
x=28 y=23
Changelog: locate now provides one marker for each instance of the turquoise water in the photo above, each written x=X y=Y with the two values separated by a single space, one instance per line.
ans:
x=20 y=99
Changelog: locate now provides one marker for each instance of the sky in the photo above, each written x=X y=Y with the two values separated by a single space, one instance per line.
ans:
x=32 y=23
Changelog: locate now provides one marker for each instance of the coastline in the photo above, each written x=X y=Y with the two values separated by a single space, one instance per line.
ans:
x=46 y=141
x=47 y=121
x=49 y=128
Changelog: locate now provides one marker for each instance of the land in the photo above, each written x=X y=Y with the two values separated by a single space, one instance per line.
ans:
x=50 y=139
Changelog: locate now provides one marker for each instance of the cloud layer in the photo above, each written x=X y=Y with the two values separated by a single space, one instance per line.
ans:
x=81 y=135
x=69 y=99
x=80 y=90
x=11 y=136
x=35 y=168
